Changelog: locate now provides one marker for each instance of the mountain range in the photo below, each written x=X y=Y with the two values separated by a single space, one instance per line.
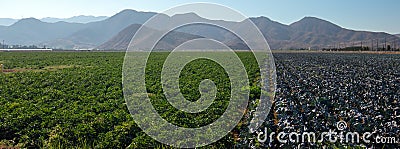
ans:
x=75 y=19
x=169 y=41
x=115 y=32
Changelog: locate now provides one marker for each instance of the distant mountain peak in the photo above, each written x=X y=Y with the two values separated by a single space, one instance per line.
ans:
x=316 y=25
x=191 y=14
x=27 y=21
x=30 y=19
x=129 y=14
x=131 y=11
x=262 y=18
x=127 y=11
x=314 y=20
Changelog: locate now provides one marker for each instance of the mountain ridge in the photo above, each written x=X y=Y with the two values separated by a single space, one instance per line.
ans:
x=75 y=19
x=96 y=33
x=123 y=38
x=309 y=32
x=32 y=31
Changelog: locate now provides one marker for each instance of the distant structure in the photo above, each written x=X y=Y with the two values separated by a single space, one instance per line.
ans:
x=373 y=44
x=20 y=50
x=77 y=49
x=11 y=48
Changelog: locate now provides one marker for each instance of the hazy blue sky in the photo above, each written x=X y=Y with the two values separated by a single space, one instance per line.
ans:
x=372 y=15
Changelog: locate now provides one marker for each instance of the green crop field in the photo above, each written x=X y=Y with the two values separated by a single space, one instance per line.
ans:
x=76 y=99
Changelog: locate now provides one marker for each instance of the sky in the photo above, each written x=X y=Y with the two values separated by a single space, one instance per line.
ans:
x=369 y=15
